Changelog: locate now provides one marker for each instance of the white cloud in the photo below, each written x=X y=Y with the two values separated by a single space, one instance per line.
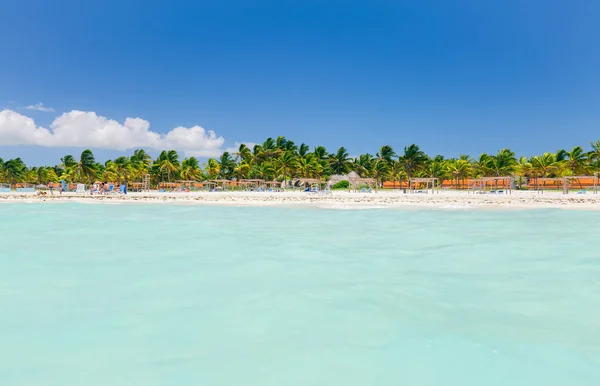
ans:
x=17 y=129
x=87 y=129
x=40 y=107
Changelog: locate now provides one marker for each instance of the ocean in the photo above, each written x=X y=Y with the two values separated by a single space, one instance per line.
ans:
x=167 y=294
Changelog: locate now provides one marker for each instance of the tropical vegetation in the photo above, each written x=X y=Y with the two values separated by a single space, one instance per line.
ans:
x=281 y=159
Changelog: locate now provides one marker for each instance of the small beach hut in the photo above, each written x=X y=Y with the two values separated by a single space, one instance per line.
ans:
x=505 y=183
x=417 y=185
x=273 y=184
x=357 y=182
x=334 y=179
x=545 y=183
x=251 y=184
x=582 y=181
x=311 y=183
x=187 y=185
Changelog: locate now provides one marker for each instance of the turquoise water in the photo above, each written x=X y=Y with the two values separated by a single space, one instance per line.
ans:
x=190 y=295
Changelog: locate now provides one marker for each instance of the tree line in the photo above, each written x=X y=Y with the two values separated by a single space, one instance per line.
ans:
x=281 y=159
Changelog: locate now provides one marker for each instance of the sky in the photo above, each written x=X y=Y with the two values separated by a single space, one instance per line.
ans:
x=454 y=77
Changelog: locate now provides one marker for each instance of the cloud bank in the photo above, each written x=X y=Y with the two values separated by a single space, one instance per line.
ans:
x=87 y=129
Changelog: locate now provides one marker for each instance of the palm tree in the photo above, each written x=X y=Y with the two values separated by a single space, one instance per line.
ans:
x=68 y=161
x=413 y=159
x=124 y=169
x=397 y=172
x=227 y=164
x=243 y=154
x=168 y=162
x=242 y=170
x=594 y=155
x=381 y=168
x=264 y=171
x=109 y=172
x=86 y=167
x=267 y=150
x=576 y=160
x=140 y=164
x=363 y=165
x=303 y=150
x=14 y=170
x=281 y=143
x=140 y=156
x=340 y=161
x=524 y=170
x=459 y=169
x=286 y=162
x=212 y=168
x=437 y=168
x=190 y=169
x=545 y=165
x=502 y=164
x=386 y=153
x=309 y=166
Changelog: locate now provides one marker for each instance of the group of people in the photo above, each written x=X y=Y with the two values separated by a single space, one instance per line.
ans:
x=105 y=187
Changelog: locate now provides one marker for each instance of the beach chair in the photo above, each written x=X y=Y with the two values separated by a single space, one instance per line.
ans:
x=123 y=189
x=80 y=189
x=581 y=192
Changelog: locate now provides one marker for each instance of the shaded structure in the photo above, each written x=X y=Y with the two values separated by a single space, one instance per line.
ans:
x=480 y=185
x=273 y=184
x=334 y=179
x=250 y=184
x=215 y=184
x=357 y=182
x=187 y=184
x=167 y=185
x=309 y=183
x=417 y=185
x=590 y=181
x=543 y=183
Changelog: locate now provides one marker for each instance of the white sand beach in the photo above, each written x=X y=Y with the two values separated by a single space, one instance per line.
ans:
x=336 y=200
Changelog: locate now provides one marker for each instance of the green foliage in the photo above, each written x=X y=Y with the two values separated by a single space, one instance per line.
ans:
x=344 y=184
x=282 y=160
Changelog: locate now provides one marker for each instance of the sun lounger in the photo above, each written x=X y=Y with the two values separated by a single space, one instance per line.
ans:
x=80 y=189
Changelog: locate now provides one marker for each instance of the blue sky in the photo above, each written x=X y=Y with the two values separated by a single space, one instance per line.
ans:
x=452 y=76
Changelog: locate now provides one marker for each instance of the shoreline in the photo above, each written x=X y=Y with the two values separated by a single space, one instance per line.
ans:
x=337 y=200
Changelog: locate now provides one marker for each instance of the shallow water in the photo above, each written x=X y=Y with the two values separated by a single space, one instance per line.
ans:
x=196 y=295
